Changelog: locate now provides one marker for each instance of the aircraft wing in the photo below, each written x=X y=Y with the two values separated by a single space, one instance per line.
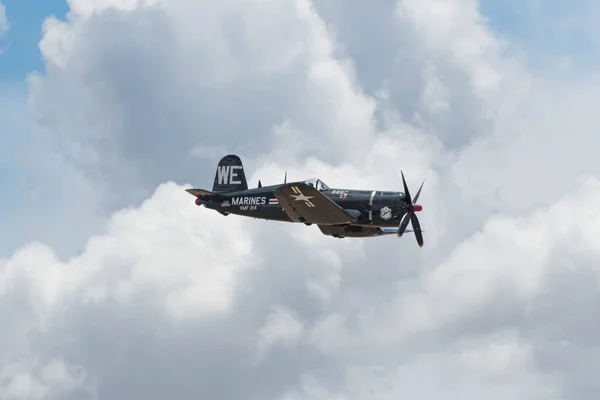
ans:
x=304 y=203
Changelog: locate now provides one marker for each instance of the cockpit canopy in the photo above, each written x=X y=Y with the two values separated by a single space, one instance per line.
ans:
x=317 y=184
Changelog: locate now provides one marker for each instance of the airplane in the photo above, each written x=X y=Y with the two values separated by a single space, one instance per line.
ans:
x=337 y=212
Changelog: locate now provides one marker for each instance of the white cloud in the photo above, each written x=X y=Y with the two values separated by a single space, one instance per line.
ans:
x=275 y=55
x=4 y=24
x=44 y=197
x=200 y=277
x=486 y=318
x=174 y=300
x=280 y=328
x=494 y=310
x=50 y=380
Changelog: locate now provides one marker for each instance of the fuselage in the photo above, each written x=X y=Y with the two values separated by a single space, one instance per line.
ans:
x=375 y=208
x=354 y=213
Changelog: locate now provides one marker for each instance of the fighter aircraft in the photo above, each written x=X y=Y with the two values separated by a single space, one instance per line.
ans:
x=337 y=212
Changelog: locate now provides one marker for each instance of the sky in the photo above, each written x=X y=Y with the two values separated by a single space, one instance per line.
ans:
x=21 y=53
x=114 y=285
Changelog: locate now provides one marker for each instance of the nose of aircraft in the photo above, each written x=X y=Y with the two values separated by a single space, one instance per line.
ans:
x=417 y=207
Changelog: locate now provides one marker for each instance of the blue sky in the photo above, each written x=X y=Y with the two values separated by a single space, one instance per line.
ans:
x=20 y=56
x=21 y=53
x=547 y=28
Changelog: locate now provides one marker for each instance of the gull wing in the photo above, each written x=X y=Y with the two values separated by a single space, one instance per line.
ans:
x=304 y=203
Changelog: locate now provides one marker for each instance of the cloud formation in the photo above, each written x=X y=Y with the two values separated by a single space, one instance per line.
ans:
x=171 y=300
x=4 y=24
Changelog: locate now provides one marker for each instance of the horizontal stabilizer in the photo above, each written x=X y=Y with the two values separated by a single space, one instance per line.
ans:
x=202 y=193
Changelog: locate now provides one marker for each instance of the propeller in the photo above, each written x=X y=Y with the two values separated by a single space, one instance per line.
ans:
x=410 y=215
x=259 y=183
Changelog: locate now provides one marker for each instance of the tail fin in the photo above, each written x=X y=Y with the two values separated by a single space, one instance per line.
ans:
x=230 y=175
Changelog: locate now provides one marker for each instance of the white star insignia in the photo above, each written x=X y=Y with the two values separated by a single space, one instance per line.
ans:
x=301 y=197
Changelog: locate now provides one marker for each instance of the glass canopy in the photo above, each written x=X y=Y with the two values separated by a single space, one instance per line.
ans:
x=317 y=184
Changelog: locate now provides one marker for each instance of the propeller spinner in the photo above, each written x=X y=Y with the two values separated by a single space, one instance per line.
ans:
x=410 y=214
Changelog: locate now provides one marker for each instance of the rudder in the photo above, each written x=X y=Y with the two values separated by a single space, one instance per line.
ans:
x=230 y=175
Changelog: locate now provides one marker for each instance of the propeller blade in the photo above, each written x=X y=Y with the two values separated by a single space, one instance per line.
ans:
x=285 y=178
x=417 y=229
x=259 y=184
x=418 y=193
x=406 y=192
x=410 y=216
x=403 y=224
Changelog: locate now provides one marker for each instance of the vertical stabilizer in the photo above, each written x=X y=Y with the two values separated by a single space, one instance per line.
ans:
x=230 y=175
